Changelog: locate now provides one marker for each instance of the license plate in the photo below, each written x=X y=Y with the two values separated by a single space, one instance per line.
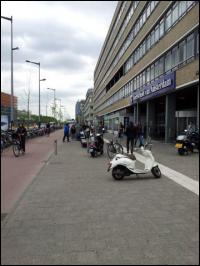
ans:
x=179 y=145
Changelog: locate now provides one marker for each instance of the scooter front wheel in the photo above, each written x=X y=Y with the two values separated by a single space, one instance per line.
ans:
x=118 y=173
x=156 y=172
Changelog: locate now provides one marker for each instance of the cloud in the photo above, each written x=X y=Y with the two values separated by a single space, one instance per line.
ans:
x=65 y=36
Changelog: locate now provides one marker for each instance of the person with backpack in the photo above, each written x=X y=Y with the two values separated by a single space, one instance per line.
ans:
x=66 y=132
x=131 y=135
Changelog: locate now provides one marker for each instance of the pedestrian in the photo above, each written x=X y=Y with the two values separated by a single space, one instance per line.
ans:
x=66 y=132
x=140 y=134
x=48 y=129
x=21 y=134
x=120 y=130
x=73 y=131
x=131 y=135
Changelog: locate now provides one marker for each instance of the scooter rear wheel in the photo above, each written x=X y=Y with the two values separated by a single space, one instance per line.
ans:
x=118 y=173
x=156 y=172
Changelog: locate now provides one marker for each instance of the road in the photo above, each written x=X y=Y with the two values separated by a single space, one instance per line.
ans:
x=75 y=213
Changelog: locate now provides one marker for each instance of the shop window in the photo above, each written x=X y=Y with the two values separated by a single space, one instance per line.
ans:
x=168 y=61
x=161 y=28
x=168 y=20
x=182 y=51
x=190 y=46
x=175 y=13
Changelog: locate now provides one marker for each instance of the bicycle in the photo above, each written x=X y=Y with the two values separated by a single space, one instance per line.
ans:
x=16 y=146
x=113 y=148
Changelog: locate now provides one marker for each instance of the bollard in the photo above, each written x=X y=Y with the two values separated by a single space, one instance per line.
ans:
x=55 y=146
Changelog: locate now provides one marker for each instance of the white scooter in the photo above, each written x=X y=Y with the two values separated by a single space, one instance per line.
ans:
x=124 y=165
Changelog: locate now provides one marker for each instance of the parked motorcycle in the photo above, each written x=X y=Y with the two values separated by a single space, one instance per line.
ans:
x=124 y=165
x=187 y=142
x=83 y=139
x=96 y=144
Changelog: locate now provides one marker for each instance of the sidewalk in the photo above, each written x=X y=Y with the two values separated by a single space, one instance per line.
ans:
x=166 y=154
x=75 y=213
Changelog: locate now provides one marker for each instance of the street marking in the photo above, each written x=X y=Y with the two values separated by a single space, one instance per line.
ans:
x=181 y=179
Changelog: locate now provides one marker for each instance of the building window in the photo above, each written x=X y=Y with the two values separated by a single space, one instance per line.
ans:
x=174 y=58
x=175 y=13
x=148 y=10
x=190 y=46
x=152 y=38
x=161 y=66
x=156 y=33
x=182 y=51
x=168 y=61
x=152 y=71
x=161 y=28
x=156 y=69
x=182 y=7
x=148 y=74
x=148 y=42
x=168 y=20
x=198 y=43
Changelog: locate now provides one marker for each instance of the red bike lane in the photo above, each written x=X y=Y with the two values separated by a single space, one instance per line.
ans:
x=17 y=173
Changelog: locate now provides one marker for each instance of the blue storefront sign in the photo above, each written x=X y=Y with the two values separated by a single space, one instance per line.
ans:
x=157 y=88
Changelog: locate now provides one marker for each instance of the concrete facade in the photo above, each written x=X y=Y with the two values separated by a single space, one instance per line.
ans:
x=168 y=31
x=88 y=107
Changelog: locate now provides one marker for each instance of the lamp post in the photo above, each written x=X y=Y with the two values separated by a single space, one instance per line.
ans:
x=38 y=64
x=54 y=99
x=12 y=89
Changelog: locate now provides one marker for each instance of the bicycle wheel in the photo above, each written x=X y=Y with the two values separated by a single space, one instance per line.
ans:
x=16 y=149
x=111 y=151
x=118 y=148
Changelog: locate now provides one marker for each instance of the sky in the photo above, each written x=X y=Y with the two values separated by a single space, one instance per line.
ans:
x=66 y=37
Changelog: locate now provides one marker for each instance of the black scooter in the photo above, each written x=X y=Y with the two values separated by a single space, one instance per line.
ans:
x=187 y=142
x=96 y=145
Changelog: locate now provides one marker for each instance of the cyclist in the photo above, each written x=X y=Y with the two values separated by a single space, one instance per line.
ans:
x=21 y=133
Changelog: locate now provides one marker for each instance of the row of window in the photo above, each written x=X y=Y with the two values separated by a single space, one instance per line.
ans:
x=175 y=13
x=115 y=24
x=182 y=53
x=124 y=25
x=132 y=35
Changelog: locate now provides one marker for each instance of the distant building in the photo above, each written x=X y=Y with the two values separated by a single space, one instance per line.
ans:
x=79 y=111
x=148 y=68
x=6 y=109
x=88 y=107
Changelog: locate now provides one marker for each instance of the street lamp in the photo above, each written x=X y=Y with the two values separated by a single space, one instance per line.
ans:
x=54 y=99
x=38 y=64
x=12 y=89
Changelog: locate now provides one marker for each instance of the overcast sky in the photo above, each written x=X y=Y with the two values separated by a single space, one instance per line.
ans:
x=66 y=37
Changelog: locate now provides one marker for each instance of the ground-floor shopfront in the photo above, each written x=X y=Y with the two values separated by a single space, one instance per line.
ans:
x=163 y=115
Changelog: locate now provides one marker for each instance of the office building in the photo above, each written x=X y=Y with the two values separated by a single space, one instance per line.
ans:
x=148 y=68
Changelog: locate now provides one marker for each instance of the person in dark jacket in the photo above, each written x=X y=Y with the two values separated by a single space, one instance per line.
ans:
x=66 y=132
x=131 y=135
x=21 y=133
